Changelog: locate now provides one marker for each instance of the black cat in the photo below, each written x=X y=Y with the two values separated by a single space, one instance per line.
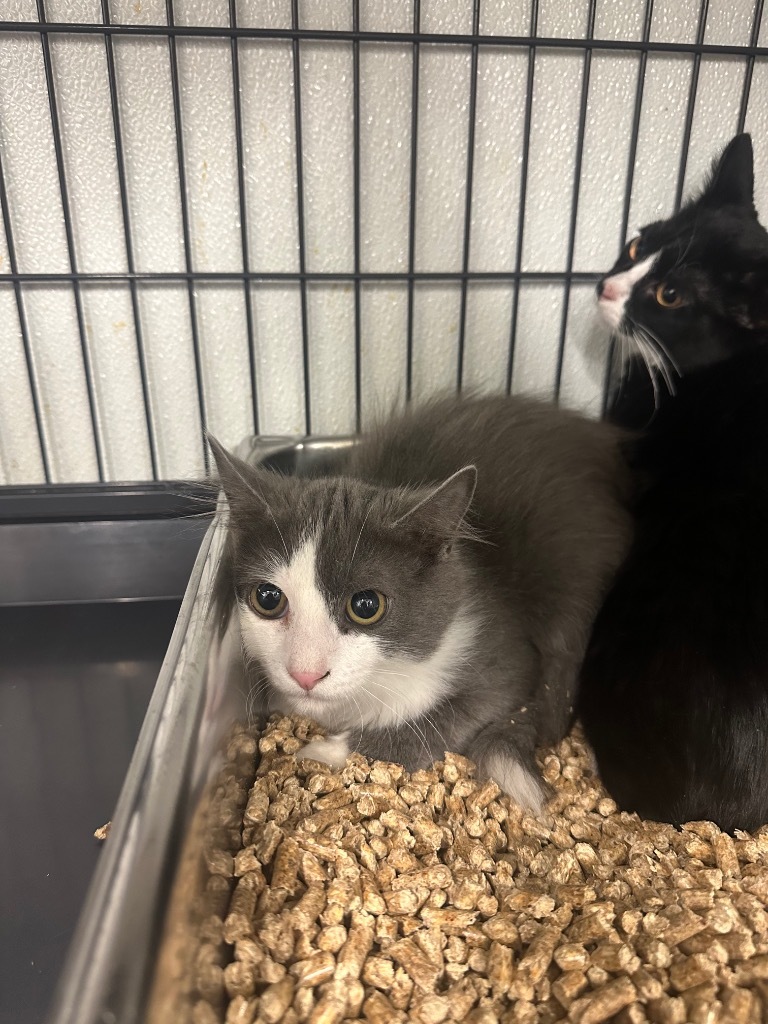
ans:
x=674 y=687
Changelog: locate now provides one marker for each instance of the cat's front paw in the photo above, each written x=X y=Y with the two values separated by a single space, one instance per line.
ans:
x=332 y=750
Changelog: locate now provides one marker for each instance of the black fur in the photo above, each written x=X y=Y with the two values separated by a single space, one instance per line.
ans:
x=674 y=687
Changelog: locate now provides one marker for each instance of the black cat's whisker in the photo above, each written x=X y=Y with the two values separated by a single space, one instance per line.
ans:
x=649 y=342
x=659 y=344
x=649 y=367
x=653 y=361
x=654 y=382
x=620 y=338
x=659 y=361
x=653 y=358
x=626 y=348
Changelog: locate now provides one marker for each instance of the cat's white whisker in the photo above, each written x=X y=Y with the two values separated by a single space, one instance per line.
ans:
x=254 y=693
x=446 y=745
x=662 y=349
x=362 y=723
x=280 y=532
x=360 y=534
x=424 y=715
x=624 y=348
x=662 y=364
x=653 y=361
x=411 y=725
x=642 y=348
x=655 y=356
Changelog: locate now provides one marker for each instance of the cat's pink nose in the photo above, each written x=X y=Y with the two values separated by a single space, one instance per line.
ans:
x=307 y=680
x=608 y=290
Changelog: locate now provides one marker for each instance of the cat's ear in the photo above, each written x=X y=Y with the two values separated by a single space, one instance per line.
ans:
x=732 y=180
x=245 y=486
x=440 y=514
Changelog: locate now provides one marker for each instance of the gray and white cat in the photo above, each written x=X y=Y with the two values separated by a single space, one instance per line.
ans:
x=438 y=595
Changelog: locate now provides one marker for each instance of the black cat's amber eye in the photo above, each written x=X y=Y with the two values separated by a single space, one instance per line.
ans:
x=366 y=607
x=668 y=297
x=268 y=600
x=632 y=250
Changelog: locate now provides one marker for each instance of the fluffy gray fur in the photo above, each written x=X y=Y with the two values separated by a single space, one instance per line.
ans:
x=521 y=545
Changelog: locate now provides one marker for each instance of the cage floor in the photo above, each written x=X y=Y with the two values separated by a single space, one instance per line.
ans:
x=74 y=685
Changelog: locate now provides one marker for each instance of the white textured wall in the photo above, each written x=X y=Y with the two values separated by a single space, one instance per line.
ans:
x=270 y=191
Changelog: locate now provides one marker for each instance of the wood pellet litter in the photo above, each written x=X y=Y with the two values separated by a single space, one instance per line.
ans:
x=374 y=895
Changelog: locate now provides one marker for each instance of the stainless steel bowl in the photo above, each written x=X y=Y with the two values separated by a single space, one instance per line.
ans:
x=197 y=699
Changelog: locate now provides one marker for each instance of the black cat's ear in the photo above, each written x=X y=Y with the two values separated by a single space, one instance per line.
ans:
x=244 y=486
x=440 y=514
x=732 y=180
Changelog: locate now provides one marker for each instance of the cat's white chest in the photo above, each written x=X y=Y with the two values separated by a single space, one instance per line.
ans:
x=400 y=688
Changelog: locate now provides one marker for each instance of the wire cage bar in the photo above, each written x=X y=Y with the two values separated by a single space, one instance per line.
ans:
x=379 y=286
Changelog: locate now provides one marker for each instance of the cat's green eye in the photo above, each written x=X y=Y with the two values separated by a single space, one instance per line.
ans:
x=268 y=600
x=668 y=297
x=366 y=607
x=632 y=250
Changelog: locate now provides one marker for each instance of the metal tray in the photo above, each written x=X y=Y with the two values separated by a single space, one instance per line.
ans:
x=196 y=701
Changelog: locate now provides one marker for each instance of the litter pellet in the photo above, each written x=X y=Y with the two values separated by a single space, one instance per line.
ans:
x=377 y=896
